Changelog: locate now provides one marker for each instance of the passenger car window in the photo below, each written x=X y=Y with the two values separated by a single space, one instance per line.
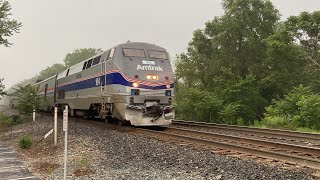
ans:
x=133 y=52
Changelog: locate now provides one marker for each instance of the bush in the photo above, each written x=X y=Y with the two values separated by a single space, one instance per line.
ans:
x=278 y=122
x=241 y=122
x=25 y=142
x=300 y=108
x=7 y=120
x=4 y=119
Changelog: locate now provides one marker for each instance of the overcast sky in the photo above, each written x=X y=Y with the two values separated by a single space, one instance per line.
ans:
x=53 y=28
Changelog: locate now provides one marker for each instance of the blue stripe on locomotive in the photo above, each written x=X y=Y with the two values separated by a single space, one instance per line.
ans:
x=113 y=78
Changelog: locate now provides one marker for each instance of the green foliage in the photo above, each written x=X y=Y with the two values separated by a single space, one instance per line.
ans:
x=25 y=141
x=50 y=71
x=308 y=130
x=82 y=163
x=288 y=106
x=197 y=104
x=241 y=122
x=7 y=26
x=229 y=113
x=28 y=98
x=2 y=92
x=79 y=55
x=226 y=58
x=4 y=119
x=305 y=28
x=278 y=122
x=284 y=65
x=9 y=120
x=301 y=108
x=245 y=59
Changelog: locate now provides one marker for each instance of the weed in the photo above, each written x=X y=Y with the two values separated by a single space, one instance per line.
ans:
x=25 y=141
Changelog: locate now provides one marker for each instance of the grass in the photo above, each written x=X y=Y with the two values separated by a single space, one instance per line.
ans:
x=282 y=123
x=308 y=130
x=9 y=120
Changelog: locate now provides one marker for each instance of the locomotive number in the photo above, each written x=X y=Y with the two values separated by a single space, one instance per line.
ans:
x=98 y=81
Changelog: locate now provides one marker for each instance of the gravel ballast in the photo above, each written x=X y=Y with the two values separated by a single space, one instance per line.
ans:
x=109 y=153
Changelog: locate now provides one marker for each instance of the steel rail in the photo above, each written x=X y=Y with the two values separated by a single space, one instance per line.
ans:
x=290 y=147
x=313 y=163
x=284 y=134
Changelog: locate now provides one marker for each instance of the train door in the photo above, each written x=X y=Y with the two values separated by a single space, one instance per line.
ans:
x=45 y=92
x=103 y=79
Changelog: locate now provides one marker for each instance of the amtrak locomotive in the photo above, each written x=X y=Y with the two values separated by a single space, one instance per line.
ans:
x=131 y=82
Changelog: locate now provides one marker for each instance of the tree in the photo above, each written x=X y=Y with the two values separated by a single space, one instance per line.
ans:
x=79 y=55
x=28 y=98
x=305 y=29
x=227 y=58
x=2 y=93
x=283 y=68
x=7 y=26
x=50 y=71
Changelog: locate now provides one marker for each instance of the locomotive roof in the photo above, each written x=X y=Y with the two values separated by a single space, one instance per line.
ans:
x=133 y=45
x=141 y=45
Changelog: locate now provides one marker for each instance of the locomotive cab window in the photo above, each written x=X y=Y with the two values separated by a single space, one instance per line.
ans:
x=84 y=65
x=96 y=60
x=157 y=54
x=89 y=64
x=134 y=53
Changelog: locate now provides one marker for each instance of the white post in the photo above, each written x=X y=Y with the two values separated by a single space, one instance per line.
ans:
x=65 y=128
x=34 y=114
x=55 y=125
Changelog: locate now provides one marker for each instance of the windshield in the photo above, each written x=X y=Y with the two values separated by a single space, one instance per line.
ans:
x=134 y=52
x=158 y=54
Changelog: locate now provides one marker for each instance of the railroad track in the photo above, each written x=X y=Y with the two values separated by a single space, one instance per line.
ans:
x=292 y=136
x=296 y=154
x=288 y=153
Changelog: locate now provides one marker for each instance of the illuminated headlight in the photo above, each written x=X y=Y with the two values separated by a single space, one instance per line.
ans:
x=148 y=76
x=154 y=77
x=168 y=86
x=135 y=84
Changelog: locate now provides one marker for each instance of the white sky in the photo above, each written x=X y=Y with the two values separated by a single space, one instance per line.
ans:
x=53 y=28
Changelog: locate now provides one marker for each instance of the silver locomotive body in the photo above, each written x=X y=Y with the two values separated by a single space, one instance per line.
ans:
x=131 y=82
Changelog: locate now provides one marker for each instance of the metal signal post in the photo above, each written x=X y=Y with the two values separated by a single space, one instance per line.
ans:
x=65 y=129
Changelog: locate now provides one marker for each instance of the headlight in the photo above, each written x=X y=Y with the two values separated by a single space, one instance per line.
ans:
x=135 y=84
x=148 y=76
x=154 y=77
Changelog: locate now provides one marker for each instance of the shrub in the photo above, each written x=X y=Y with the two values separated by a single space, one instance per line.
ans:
x=16 y=119
x=7 y=120
x=278 y=122
x=300 y=108
x=25 y=142
x=4 y=119
x=241 y=122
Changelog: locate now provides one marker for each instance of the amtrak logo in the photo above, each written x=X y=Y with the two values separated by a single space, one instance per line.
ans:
x=98 y=81
x=150 y=68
